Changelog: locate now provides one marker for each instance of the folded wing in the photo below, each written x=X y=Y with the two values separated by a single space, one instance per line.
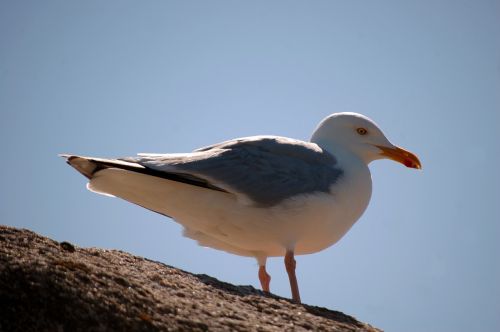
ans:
x=261 y=170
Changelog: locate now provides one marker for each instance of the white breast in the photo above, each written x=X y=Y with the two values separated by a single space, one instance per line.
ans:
x=327 y=217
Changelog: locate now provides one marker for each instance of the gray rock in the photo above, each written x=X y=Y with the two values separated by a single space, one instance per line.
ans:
x=50 y=286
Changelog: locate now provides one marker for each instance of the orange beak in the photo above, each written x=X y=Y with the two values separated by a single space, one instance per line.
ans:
x=401 y=156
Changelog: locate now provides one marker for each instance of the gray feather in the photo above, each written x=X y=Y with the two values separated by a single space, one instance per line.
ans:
x=267 y=169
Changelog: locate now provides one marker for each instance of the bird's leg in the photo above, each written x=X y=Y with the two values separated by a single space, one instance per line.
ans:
x=290 y=269
x=265 y=279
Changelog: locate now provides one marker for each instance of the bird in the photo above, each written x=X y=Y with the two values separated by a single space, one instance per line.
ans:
x=259 y=196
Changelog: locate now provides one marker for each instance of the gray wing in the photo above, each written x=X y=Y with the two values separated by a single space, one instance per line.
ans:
x=266 y=169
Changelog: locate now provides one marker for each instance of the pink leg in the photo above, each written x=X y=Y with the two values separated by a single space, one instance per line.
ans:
x=265 y=279
x=290 y=269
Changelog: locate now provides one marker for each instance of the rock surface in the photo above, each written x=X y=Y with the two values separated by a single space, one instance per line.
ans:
x=50 y=286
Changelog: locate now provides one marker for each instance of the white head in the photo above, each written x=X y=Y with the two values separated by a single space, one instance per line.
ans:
x=361 y=136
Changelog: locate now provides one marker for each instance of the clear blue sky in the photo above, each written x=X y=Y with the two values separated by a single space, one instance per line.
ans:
x=113 y=78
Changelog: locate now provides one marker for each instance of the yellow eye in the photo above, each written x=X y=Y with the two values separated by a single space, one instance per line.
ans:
x=362 y=131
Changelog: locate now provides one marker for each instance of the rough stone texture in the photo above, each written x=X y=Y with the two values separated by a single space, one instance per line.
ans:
x=50 y=286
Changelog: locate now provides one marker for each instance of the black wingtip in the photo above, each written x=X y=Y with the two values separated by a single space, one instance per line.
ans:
x=83 y=165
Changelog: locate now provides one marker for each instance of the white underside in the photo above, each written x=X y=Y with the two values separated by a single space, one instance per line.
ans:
x=305 y=223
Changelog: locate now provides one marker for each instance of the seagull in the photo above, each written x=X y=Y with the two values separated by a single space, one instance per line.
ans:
x=258 y=196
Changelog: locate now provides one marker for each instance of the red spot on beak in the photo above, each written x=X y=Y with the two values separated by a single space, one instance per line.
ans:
x=409 y=163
